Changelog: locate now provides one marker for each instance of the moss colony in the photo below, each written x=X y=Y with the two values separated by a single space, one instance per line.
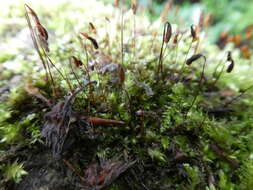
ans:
x=116 y=102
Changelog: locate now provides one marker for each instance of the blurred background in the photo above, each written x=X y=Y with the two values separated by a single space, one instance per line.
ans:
x=231 y=17
x=225 y=20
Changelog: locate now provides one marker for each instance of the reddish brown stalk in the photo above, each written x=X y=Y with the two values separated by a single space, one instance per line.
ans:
x=166 y=37
x=58 y=70
x=215 y=71
x=219 y=75
x=72 y=70
x=200 y=81
x=88 y=73
x=121 y=37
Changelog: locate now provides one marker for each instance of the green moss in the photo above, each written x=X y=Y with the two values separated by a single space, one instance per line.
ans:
x=168 y=126
x=14 y=171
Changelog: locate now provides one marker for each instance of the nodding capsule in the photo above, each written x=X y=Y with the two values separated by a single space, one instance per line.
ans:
x=193 y=58
x=193 y=32
x=230 y=67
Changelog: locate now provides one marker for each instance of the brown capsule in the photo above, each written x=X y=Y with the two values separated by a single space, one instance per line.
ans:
x=168 y=32
x=92 y=40
x=193 y=58
x=92 y=28
x=76 y=61
x=42 y=32
x=193 y=33
x=43 y=37
x=230 y=67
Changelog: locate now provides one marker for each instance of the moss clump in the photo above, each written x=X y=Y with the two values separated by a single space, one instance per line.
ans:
x=175 y=126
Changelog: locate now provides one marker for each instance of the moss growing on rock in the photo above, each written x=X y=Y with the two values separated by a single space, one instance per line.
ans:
x=135 y=124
